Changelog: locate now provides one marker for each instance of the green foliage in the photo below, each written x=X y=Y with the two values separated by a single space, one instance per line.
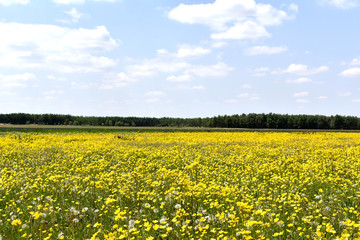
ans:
x=252 y=120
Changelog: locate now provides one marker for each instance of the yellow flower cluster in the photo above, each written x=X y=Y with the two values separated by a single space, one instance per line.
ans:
x=180 y=185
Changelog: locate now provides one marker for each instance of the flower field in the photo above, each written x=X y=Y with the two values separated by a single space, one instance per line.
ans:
x=180 y=185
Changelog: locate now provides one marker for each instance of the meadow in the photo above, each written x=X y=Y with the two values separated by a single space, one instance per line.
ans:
x=179 y=185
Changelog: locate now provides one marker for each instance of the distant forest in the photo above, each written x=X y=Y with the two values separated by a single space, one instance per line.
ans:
x=252 y=120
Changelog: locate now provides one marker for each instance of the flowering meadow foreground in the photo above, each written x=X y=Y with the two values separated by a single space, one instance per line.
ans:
x=195 y=185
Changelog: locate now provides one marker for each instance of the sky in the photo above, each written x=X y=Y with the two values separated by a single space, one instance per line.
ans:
x=172 y=58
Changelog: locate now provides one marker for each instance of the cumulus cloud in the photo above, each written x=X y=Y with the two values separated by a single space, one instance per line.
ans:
x=351 y=72
x=247 y=30
x=186 y=50
x=113 y=81
x=154 y=96
x=178 y=65
x=181 y=78
x=343 y=4
x=260 y=50
x=301 y=69
x=220 y=69
x=195 y=87
x=10 y=2
x=260 y=72
x=74 y=14
x=54 y=47
x=236 y=19
x=16 y=80
x=151 y=67
x=355 y=62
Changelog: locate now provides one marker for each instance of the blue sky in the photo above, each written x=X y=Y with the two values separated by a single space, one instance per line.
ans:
x=179 y=58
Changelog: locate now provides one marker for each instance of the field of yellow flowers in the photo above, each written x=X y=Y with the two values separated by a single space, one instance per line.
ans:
x=179 y=185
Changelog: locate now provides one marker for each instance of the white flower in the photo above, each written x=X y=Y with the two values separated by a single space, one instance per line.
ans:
x=327 y=209
x=280 y=224
x=318 y=197
x=147 y=205
x=85 y=209
x=156 y=210
x=177 y=206
x=163 y=220
x=60 y=235
x=75 y=220
x=131 y=224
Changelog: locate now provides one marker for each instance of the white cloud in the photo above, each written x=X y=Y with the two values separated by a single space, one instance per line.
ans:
x=218 y=70
x=191 y=51
x=177 y=65
x=195 y=87
x=302 y=100
x=52 y=47
x=301 y=69
x=322 y=97
x=343 y=4
x=301 y=94
x=259 y=50
x=10 y=2
x=67 y=2
x=260 y=72
x=151 y=67
x=74 y=14
x=181 y=78
x=351 y=72
x=162 y=51
x=219 y=44
x=247 y=30
x=355 y=62
x=16 y=80
x=113 y=81
x=235 y=19
x=154 y=96
x=356 y=100
x=293 y=7
x=300 y=80
x=79 y=85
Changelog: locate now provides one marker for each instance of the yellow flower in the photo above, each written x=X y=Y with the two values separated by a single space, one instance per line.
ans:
x=16 y=222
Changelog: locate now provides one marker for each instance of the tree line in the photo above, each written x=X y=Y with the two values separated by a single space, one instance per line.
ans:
x=252 y=120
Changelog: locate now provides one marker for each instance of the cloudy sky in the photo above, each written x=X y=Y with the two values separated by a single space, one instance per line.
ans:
x=189 y=58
